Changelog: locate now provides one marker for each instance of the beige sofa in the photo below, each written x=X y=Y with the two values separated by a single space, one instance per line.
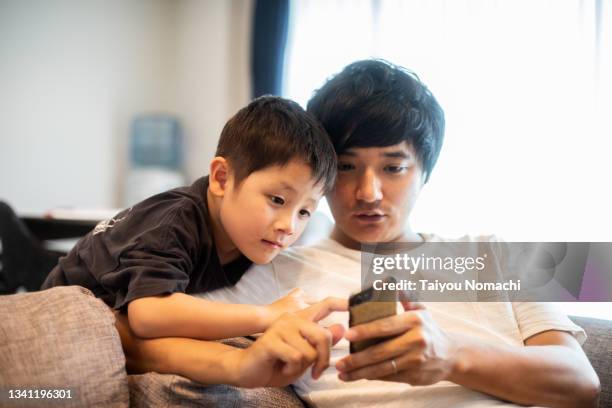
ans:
x=65 y=339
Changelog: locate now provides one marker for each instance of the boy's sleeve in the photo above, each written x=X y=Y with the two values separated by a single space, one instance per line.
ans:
x=145 y=272
x=158 y=260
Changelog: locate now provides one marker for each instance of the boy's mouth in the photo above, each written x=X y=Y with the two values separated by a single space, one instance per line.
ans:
x=272 y=244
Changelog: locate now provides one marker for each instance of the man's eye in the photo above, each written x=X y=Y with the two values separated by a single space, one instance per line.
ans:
x=345 y=167
x=395 y=169
x=277 y=200
x=305 y=213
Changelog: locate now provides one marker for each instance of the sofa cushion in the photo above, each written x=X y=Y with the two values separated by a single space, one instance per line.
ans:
x=164 y=390
x=598 y=348
x=62 y=338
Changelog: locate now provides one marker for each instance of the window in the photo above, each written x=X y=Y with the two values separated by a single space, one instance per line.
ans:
x=526 y=86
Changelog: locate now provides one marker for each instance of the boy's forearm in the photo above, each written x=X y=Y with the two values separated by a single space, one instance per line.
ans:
x=206 y=362
x=181 y=315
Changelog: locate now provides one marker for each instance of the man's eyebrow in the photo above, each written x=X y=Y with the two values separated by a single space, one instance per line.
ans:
x=398 y=154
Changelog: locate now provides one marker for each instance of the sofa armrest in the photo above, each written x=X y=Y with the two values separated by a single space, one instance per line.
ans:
x=598 y=348
x=62 y=338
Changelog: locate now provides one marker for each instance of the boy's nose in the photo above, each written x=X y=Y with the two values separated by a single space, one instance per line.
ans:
x=285 y=224
x=368 y=187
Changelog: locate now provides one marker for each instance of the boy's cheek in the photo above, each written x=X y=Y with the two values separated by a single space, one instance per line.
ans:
x=298 y=233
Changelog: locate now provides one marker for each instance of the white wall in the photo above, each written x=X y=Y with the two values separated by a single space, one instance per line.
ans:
x=212 y=54
x=73 y=73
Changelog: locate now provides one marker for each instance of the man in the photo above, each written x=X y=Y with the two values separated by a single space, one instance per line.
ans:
x=387 y=129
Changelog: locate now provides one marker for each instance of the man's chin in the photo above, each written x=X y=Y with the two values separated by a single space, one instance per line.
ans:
x=368 y=237
x=355 y=236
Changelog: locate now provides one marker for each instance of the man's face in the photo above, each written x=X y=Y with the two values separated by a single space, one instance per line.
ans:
x=269 y=209
x=375 y=191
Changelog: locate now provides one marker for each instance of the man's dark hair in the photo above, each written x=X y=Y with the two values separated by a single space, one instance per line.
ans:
x=373 y=103
x=273 y=131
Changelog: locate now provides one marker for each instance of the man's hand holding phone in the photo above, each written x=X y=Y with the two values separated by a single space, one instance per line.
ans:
x=413 y=349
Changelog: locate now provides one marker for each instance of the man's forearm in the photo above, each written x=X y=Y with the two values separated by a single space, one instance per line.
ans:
x=181 y=315
x=547 y=375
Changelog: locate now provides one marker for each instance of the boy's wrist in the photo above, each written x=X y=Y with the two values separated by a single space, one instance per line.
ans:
x=265 y=316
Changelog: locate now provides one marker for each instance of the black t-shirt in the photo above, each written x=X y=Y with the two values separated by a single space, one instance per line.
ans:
x=161 y=245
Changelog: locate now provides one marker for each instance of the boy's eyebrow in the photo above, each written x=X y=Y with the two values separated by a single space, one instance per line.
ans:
x=287 y=186
x=398 y=154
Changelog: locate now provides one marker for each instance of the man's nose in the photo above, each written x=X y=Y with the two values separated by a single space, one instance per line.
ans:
x=369 y=187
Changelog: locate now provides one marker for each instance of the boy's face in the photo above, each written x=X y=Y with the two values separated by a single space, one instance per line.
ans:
x=269 y=210
x=375 y=191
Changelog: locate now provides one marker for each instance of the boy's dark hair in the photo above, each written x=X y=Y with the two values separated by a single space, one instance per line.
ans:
x=273 y=131
x=373 y=103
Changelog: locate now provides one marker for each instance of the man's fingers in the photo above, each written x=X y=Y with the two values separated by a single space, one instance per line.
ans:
x=391 y=369
x=376 y=371
x=392 y=348
x=389 y=326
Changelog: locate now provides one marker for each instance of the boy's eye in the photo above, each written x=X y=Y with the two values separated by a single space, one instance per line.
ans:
x=277 y=200
x=345 y=167
x=305 y=213
x=395 y=169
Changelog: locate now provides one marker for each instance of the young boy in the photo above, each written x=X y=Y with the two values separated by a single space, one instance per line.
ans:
x=273 y=164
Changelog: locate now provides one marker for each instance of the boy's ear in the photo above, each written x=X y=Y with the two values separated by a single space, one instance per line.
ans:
x=219 y=176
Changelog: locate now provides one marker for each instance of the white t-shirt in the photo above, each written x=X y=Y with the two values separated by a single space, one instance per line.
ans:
x=330 y=269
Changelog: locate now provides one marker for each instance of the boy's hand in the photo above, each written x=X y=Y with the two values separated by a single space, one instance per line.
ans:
x=293 y=343
x=291 y=302
x=322 y=309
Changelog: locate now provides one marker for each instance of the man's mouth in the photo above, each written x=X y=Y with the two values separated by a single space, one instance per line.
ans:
x=369 y=216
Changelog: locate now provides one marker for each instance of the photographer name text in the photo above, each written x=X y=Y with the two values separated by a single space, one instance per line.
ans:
x=441 y=287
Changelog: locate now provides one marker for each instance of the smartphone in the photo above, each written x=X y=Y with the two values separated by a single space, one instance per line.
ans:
x=369 y=305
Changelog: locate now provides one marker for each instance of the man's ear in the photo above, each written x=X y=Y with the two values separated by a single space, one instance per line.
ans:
x=219 y=176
